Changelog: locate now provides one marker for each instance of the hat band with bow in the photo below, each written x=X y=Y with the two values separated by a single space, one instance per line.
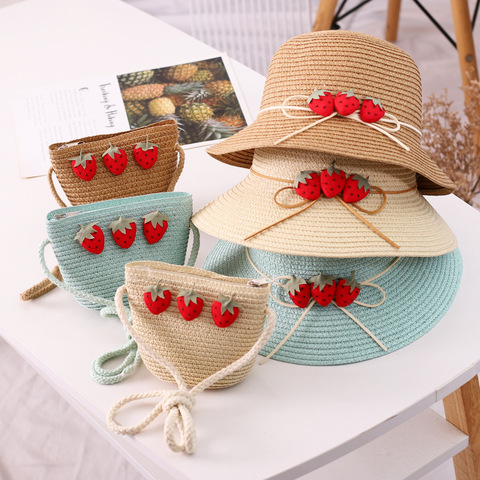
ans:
x=355 y=115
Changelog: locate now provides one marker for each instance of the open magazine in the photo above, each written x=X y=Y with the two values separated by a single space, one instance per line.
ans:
x=202 y=96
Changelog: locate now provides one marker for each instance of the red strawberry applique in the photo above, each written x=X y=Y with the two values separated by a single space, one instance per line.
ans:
x=157 y=298
x=332 y=180
x=371 y=110
x=225 y=310
x=356 y=188
x=321 y=102
x=347 y=291
x=307 y=185
x=91 y=238
x=123 y=231
x=146 y=154
x=155 y=225
x=322 y=288
x=346 y=103
x=115 y=159
x=190 y=303
x=299 y=291
x=84 y=166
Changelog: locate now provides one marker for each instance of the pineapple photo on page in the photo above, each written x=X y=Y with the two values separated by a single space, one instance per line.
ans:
x=199 y=96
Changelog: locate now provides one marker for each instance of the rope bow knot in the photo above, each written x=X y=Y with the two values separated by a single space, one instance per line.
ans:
x=306 y=204
x=177 y=406
x=380 y=126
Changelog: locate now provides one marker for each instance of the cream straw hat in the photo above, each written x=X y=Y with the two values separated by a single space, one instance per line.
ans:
x=339 y=61
x=392 y=220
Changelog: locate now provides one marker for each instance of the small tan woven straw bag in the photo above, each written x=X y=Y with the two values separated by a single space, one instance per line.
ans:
x=133 y=181
x=196 y=354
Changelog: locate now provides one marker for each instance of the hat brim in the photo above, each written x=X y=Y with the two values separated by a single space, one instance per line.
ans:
x=327 y=229
x=338 y=136
x=419 y=291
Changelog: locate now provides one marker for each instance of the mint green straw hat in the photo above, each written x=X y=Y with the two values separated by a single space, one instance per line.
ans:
x=400 y=300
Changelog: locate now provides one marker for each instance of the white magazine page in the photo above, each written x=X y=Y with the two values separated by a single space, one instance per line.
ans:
x=63 y=113
x=203 y=96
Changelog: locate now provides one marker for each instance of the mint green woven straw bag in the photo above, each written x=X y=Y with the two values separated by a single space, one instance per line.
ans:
x=400 y=300
x=94 y=278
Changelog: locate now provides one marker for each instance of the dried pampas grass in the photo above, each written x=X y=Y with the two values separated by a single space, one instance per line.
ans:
x=453 y=140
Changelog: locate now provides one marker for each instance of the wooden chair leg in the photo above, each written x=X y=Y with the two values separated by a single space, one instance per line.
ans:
x=464 y=38
x=393 y=15
x=462 y=409
x=325 y=14
x=466 y=53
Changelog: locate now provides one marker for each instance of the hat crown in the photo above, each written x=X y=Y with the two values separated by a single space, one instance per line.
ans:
x=343 y=60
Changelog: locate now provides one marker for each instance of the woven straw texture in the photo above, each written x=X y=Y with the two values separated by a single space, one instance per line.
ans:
x=102 y=274
x=196 y=348
x=327 y=229
x=419 y=291
x=339 y=61
x=134 y=181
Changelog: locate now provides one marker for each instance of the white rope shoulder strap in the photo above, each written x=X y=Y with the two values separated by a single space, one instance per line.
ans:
x=177 y=404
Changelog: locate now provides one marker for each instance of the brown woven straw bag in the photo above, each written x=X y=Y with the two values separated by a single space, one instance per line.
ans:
x=133 y=181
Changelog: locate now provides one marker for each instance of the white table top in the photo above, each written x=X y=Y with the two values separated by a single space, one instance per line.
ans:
x=283 y=420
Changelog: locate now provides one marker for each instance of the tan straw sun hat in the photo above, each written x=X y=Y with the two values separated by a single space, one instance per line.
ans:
x=265 y=212
x=339 y=61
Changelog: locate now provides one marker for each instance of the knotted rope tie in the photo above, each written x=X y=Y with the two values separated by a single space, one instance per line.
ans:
x=306 y=204
x=379 y=126
x=177 y=406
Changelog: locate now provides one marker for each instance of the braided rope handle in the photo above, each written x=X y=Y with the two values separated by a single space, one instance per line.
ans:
x=63 y=285
x=177 y=404
x=42 y=287
x=178 y=171
x=127 y=367
x=195 y=245
x=52 y=187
